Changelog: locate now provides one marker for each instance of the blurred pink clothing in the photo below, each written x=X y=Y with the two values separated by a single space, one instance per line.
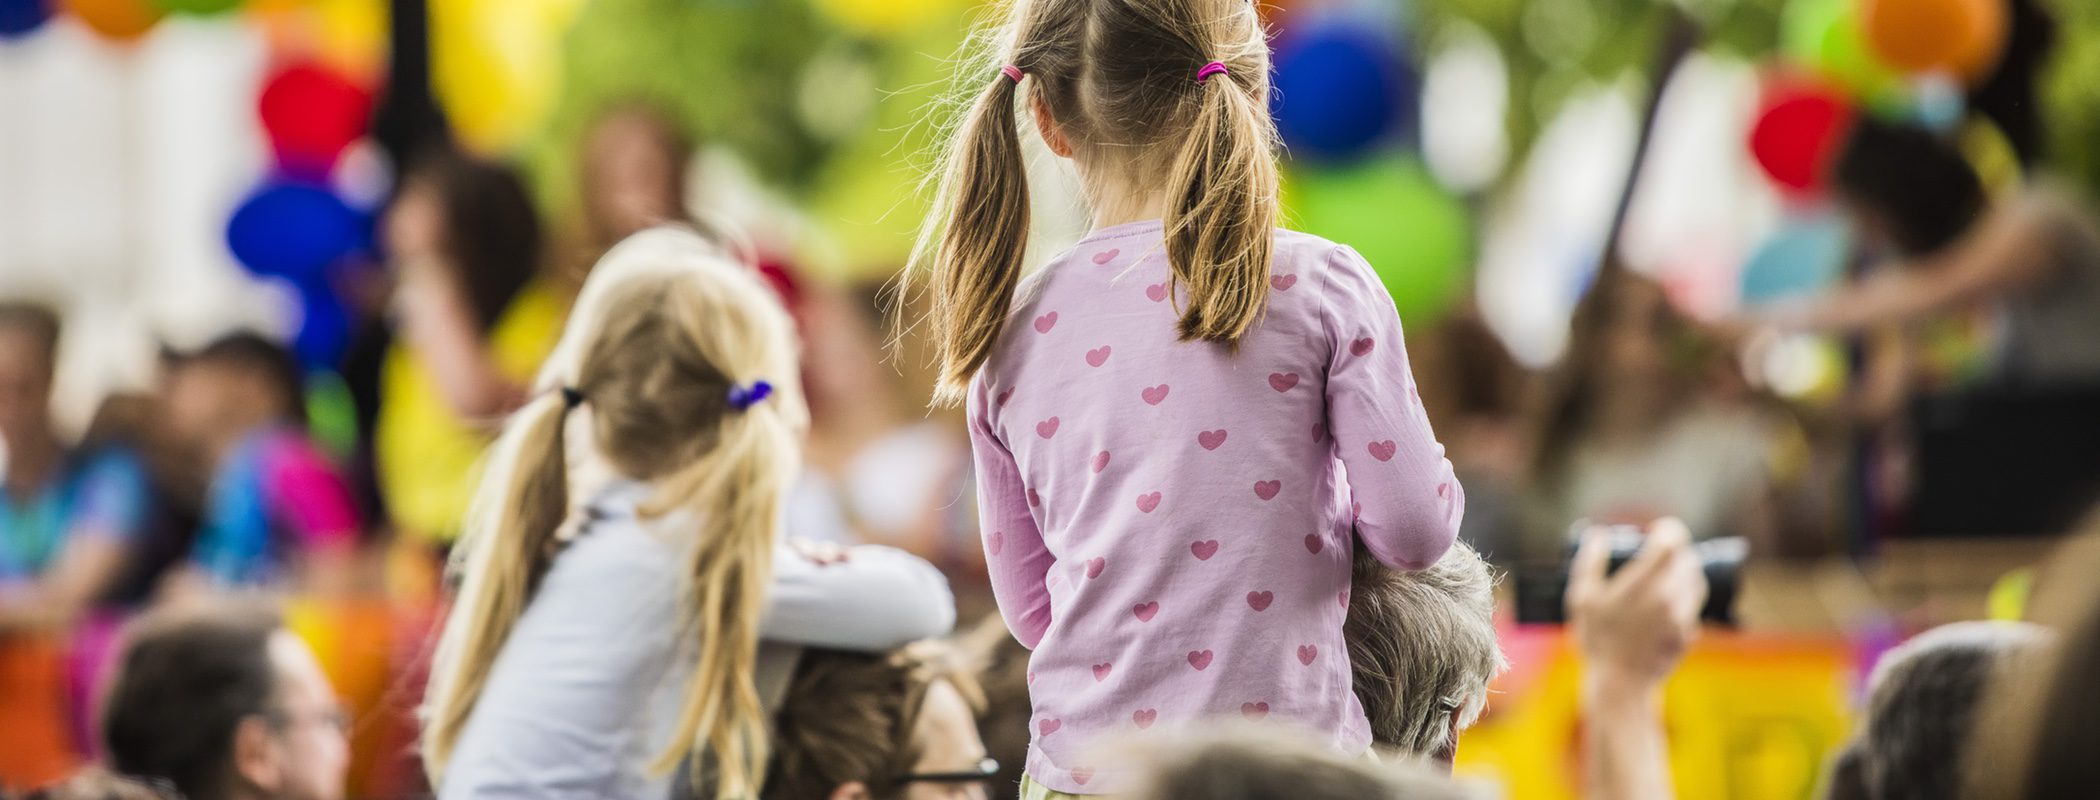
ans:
x=1168 y=525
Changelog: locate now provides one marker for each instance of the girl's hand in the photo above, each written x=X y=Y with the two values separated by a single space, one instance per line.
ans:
x=822 y=554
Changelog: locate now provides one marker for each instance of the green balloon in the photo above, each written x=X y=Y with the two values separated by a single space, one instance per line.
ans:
x=1390 y=210
x=1824 y=35
x=331 y=416
x=199 y=7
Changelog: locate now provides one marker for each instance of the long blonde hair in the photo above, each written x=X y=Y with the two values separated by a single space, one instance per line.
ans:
x=1121 y=79
x=665 y=326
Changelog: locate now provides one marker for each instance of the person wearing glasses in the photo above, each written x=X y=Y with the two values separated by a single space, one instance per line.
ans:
x=219 y=700
x=894 y=726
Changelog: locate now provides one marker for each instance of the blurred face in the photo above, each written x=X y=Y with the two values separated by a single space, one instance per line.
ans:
x=25 y=385
x=204 y=399
x=632 y=178
x=946 y=737
x=415 y=228
x=1634 y=344
x=315 y=750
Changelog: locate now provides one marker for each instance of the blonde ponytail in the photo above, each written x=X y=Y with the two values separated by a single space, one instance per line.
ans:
x=1221 y=213
x=664 y=332
x=977 y=262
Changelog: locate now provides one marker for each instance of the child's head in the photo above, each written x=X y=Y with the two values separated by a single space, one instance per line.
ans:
x=28 y=359
x=238 y=382
x=1162 y=104
x=467 y=225
x=657 y=374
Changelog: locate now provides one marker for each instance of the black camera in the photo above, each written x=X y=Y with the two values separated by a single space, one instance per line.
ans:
x=1542 y=588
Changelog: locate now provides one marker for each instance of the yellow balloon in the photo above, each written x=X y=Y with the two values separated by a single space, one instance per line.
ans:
x=494 y=65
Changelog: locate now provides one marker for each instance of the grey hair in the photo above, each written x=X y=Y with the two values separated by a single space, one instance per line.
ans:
x=1922 y=705
x=1423 y=648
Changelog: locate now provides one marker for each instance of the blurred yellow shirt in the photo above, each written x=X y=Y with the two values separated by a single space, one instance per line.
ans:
x=427 y=455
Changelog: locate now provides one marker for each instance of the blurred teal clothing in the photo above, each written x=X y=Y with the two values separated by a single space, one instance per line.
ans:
x=103 y=494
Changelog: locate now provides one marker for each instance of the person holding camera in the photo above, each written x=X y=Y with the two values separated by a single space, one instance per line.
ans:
x=1632 y=626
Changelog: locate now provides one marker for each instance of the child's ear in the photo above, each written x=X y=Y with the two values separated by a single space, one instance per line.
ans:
x=1053 y=134
x=851 y=790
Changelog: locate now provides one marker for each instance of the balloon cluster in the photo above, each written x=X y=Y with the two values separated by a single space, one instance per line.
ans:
x=114 y=20
x=1346 y=102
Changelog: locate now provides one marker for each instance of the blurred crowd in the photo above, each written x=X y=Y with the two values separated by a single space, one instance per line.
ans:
x=144 y=561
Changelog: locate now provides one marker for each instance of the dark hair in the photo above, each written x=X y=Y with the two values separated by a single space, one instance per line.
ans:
x=2044 y=717
x=1915 y=182
x=35 y=319
x=186 y=678
x=251 y=351
x=849 y=717
x=491 y=230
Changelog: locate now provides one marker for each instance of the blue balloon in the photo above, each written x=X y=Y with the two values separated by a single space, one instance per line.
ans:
x=19 y=17
x=324 y=327
x=1342 y=87
x=295 y=230
x=1805 y=256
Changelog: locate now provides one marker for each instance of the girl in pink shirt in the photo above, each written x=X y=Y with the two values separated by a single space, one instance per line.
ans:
x=1185 y=424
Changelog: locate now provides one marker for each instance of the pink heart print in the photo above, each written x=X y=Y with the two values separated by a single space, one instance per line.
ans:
x=1034 y=499
x=1154 y=395
x=995 y=543
x=1211 y=440
x=1283 y=283
x=1306 y=654
x=1101 y=671
x=1313 y=542
x=1048 y=726
x=1004 y=396
x=1254 y=710
x=1144 y=717
x=1200 y=659
x=1044 y=323
x=1319 y=431
x=1047 y=428
x=1382 y=451
x=1146 y=611
x=1156 y=292
x=1080 y=775
x=1259 y=601
x=1108 y=255
x=1267 y=490
x=1100 y=461
x=1147 y=502
x=1203 y=550
x=1031 y=677
x=1362 y=347
x=1094 y=566
x=1344 y=597
x=1097 y=356
x=1283 y=381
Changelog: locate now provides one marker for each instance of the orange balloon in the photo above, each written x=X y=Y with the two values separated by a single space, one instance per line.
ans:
x=115 y=20
x=1963 y=38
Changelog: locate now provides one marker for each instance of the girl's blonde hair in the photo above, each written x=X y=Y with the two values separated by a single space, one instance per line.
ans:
x=665 y=326
x=1121 y=79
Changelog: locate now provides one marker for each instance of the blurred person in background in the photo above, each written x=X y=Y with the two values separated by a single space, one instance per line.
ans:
x=2031 y=258
x=633 y=174
x=95 y=783
x=1422 y=649
x=474 y=323
x=877 y=471
x=2043 y=715
x=220 y=700
x=277 y=513
x=1635 y=429
x=69 y=520
x=861 y=726
x=1923 y=703
x=1480 y=394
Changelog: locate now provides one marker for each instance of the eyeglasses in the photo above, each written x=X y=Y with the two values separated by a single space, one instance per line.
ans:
x=986 y=768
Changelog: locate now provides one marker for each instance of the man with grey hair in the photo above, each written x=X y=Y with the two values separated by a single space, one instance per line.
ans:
x=1422 y=647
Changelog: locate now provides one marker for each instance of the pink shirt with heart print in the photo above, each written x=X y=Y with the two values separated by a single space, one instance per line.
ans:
x=1168 y=524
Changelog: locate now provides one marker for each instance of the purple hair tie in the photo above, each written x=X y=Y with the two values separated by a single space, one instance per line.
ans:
x=1212 y=68
x=1013 y=72
x=742 y=398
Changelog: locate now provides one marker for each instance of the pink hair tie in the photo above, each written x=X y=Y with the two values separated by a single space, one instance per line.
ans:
x=1012 y=71
x=1212 y=68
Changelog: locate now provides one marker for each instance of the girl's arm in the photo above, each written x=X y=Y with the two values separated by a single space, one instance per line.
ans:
x=872 y=598
x=1014 y=554
x=2008 y=248
x=1408 y=501
x=438 y=325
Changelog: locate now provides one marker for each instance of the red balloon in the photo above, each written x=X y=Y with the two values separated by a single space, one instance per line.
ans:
x=1800 y=126
x=312 y=114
